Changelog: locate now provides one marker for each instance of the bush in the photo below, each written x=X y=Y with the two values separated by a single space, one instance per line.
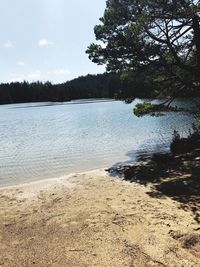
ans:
x=184 y=145
x=145 y=108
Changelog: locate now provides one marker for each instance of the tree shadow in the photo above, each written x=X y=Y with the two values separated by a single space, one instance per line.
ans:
x=140 y=155
x=174 y=175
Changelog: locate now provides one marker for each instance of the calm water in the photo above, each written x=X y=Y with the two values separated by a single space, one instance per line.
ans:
x=44 y=140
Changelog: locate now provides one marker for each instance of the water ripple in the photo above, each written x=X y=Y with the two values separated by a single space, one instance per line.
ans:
x=53 y=140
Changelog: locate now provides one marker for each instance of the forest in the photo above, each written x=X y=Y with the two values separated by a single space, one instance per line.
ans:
x=107 y=85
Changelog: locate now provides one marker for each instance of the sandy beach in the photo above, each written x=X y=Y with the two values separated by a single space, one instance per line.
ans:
x=92 y=219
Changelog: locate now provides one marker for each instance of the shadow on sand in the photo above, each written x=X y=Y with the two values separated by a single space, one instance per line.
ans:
x=174 y=175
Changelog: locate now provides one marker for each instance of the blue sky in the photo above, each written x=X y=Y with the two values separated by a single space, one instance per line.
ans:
x=46 y=39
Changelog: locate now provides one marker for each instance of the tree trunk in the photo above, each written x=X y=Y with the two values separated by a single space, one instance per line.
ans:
x=196 y=28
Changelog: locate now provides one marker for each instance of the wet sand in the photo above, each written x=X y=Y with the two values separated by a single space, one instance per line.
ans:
x=92 y=219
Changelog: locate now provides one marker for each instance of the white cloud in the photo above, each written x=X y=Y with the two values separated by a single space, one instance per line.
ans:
x=34 y=76
x=20 y=63
x=16 y=78
x=44 y=42
x=8 y=44
x=60 y=72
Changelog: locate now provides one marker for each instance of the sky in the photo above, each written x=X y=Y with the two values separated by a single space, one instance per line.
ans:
x=46 y=39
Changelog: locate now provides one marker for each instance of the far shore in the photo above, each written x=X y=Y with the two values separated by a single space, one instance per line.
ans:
x=93 y=219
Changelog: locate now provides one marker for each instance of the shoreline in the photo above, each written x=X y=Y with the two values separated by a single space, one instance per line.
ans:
x=93 y=219
x=46 y=180
x=50 y=179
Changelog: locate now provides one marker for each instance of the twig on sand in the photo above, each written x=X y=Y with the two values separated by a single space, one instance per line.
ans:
x=76 y=250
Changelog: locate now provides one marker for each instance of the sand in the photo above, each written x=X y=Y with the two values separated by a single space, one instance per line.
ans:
x=92 y=219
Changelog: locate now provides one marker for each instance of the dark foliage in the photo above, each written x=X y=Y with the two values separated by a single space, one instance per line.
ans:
x=184 y=145
x=160 y=36
x=107 y=85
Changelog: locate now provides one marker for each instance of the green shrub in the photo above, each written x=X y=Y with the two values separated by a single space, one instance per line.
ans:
x=157 y=110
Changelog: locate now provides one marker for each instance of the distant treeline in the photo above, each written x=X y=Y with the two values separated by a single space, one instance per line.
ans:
x=107 y=85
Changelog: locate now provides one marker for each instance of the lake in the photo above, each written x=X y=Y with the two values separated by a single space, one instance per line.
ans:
x=45 y=140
